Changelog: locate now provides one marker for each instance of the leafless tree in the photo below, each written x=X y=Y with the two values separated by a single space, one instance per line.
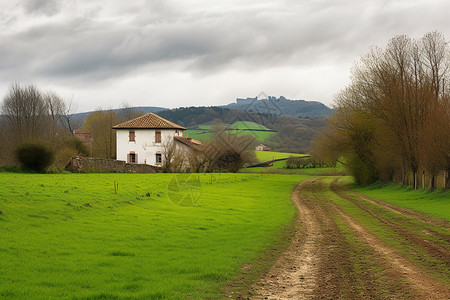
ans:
x=173 y=158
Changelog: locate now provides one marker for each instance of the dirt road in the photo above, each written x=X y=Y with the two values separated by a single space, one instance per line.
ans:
x=350 y=246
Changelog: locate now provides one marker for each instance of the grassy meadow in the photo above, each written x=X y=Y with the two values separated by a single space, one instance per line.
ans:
x=272 y=155
x=71 y=236
x=203 y=132
x=279 y=167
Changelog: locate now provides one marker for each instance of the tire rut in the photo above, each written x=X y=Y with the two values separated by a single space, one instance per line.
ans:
x=435 y=249
x=295 y=272
x=423 y=286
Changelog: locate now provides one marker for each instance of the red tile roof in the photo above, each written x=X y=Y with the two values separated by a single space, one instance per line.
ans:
x=82 y=131
x=194 y=144
x=148 y=121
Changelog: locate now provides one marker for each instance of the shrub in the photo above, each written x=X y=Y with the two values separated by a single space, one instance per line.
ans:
x=63 y=157
x=34 y=156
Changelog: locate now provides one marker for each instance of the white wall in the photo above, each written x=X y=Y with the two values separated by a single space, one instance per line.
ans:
x=144 y=145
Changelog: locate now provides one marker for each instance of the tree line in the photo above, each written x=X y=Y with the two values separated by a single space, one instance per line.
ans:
x=393 y=120
x=30 y=115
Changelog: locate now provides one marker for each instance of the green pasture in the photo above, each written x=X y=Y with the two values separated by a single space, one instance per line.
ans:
x=279 y=167
x=248 y=125
x=271 y=155
x=203 y=132
x=71 y=236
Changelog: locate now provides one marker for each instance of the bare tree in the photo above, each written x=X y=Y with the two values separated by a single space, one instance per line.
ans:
x=173 y=158
x=68 y=118
x=24 y=110
x=398 y=89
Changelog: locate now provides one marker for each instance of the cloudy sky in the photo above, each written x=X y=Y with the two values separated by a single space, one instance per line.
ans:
x=175 y=53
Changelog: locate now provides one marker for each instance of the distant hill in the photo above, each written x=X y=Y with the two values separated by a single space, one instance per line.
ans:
x=81 y=117
x=282 y=106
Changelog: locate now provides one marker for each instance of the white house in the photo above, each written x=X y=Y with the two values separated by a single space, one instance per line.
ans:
x=262 y=147
x=142 y=139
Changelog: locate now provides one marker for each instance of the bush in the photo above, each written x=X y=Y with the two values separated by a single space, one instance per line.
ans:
x=63 y=157
x=34 y=156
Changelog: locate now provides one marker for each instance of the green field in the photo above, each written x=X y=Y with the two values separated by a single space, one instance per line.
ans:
x=279 y=167
x=271 y=155
x=202 y=132
x=71 y=236
x=248 y=125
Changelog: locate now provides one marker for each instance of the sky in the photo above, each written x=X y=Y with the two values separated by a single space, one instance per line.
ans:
x=173 y=53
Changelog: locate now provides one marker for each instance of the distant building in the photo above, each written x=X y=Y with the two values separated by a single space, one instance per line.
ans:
x=262 y=147
x=143 y=139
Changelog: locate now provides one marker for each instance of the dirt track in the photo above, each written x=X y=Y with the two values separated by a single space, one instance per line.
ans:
x=350 y=246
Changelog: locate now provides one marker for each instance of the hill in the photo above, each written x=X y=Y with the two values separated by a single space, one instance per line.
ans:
x=279 y=132
x=81 y=117
x=292 y=134
x=282 y=106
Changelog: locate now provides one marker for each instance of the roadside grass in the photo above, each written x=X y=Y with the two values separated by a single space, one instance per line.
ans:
x=70 y=236
x=434 y=203
x=388 y=235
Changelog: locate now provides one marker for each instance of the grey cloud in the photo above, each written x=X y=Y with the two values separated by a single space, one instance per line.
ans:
x=45 y=7
x=204 y=41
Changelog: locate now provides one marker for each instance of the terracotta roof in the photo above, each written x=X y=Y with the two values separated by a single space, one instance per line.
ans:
x=194 y=144
x=82 y=131
x=148 y=121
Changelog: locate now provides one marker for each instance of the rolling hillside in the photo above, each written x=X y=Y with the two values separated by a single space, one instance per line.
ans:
x=260 y=132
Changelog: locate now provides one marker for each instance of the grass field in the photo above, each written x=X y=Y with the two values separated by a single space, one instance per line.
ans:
x=271 y=155
x=279 y=167
x=71 y=236
x=202 y=132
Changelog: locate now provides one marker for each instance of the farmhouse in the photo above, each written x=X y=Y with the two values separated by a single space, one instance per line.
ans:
x=262 y=147
x=144 y=140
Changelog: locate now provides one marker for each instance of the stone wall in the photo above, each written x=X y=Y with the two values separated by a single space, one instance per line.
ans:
x=90 y=164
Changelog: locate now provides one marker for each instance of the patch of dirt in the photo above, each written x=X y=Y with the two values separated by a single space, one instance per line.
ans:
x=295 y=272
x=317 y=264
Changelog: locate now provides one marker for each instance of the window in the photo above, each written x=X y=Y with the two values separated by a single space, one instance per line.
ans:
x=158 y=158
x=158 y=136
x=132 y=136
x=132 y=158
